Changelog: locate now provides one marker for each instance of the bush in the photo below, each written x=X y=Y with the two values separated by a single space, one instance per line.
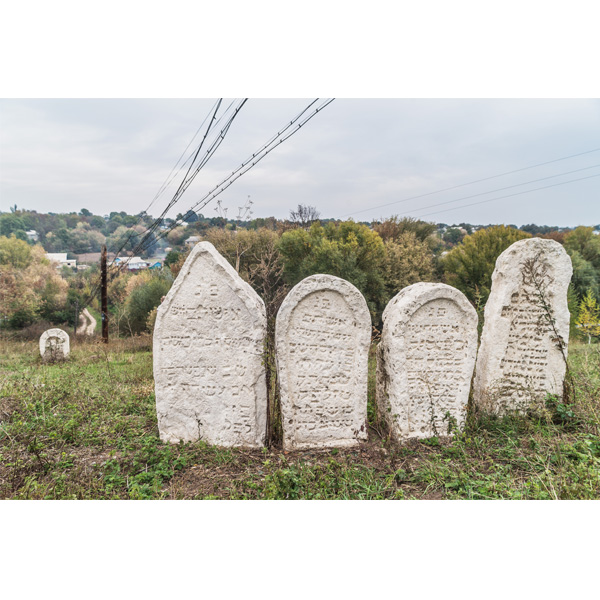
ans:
x=469 y=266
x=145 y=298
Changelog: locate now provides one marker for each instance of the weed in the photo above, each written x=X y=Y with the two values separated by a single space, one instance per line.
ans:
x=76 y=430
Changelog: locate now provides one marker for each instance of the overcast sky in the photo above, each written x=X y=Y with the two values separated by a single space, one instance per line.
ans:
x=364 y=158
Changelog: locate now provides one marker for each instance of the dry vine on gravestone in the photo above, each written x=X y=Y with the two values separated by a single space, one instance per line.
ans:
x=523 y=352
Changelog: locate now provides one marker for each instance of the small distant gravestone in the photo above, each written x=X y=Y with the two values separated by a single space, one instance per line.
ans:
x=208 y=356
x=425 y=360
x=322 y=337
x=54 y=345
x=523 y=350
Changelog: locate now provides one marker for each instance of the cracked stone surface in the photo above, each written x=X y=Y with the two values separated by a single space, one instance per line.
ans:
x=322 y=338
x=523 y=350
x=208 y=356
x=54 y=345
x=425 y=360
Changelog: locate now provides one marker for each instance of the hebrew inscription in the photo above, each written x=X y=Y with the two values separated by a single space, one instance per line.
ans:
x=323 y=333
x=526 y=326
x=208 y=356
x=54 y=345
x=425 y=360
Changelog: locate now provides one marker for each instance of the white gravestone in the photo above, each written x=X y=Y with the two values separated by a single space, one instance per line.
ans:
x=54 y=345
x=322 y=339
x=208 y=356
x=523 y=348
x=425 y=360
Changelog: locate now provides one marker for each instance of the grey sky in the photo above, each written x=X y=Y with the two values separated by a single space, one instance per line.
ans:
x=356 y=155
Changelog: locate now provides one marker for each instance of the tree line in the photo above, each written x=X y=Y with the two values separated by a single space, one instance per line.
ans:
x=379 y=258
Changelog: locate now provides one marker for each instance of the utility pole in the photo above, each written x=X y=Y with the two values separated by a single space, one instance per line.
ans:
x=76 y=317
x=104 y=295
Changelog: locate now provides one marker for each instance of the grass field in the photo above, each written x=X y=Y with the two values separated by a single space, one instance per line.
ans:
x=87 y=429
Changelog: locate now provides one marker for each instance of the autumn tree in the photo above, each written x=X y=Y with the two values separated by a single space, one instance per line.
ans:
x=255 y=255
x=30 y=286
x=407 y=260
x=394 y=227
x=348 y=250
x=589 y=316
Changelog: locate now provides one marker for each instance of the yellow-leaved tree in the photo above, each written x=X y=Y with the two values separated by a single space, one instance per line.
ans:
x=589 y=316
x=30 y=286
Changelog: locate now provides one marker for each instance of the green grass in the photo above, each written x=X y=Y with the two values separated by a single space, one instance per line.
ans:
x=87 y=428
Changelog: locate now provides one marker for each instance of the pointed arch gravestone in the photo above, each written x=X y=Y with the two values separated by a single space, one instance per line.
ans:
x=425 y=360
x=54 y=345
x=322 y=339
x=523 y=350
x=208 y=356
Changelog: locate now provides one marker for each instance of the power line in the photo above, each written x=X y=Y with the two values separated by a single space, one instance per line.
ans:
x=472 y=182
x=248 y=164
x=187 y=180
x=168 y=181
x=184 y=184
x=214 y=110
x=509 y=195
x=253 y=160
x=508 y=187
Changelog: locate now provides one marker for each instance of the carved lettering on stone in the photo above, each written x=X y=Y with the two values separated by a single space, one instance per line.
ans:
x=523 y=350
x=208 y=356
x=54 y=345
x=425 y=360
x=323 y=334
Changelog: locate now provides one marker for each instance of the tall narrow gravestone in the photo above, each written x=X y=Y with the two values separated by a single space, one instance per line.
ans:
x=54 y=345
x=425 y=360
x=208 y=356
x=523 y=348
x=322 y=339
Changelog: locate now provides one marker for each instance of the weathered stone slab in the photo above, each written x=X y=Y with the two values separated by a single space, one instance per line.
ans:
x=208 y=356
x=425 y=360
x=54 y=345
x=523 y=348
x=322 y=339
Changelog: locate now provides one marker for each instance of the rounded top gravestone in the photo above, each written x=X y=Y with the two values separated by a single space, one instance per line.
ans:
x=54 y=345
x=208 y=356
x=322 y=339
x=523 y=350
x=425 y=360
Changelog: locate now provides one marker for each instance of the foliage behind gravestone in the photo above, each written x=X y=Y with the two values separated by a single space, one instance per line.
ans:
x=144 y=298
x=469 y=266
x=583 y=246
x=393 y=228
x=348 y=250
x=588 y=320
x=408 y=260
x=30 y=286
x=255 y=256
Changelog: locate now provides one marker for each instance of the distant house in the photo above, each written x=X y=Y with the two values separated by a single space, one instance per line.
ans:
x=32 y=234
x=192 y=241
x=156 y=265
x=93 y=258
x=134 y=263
x=61 y=260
